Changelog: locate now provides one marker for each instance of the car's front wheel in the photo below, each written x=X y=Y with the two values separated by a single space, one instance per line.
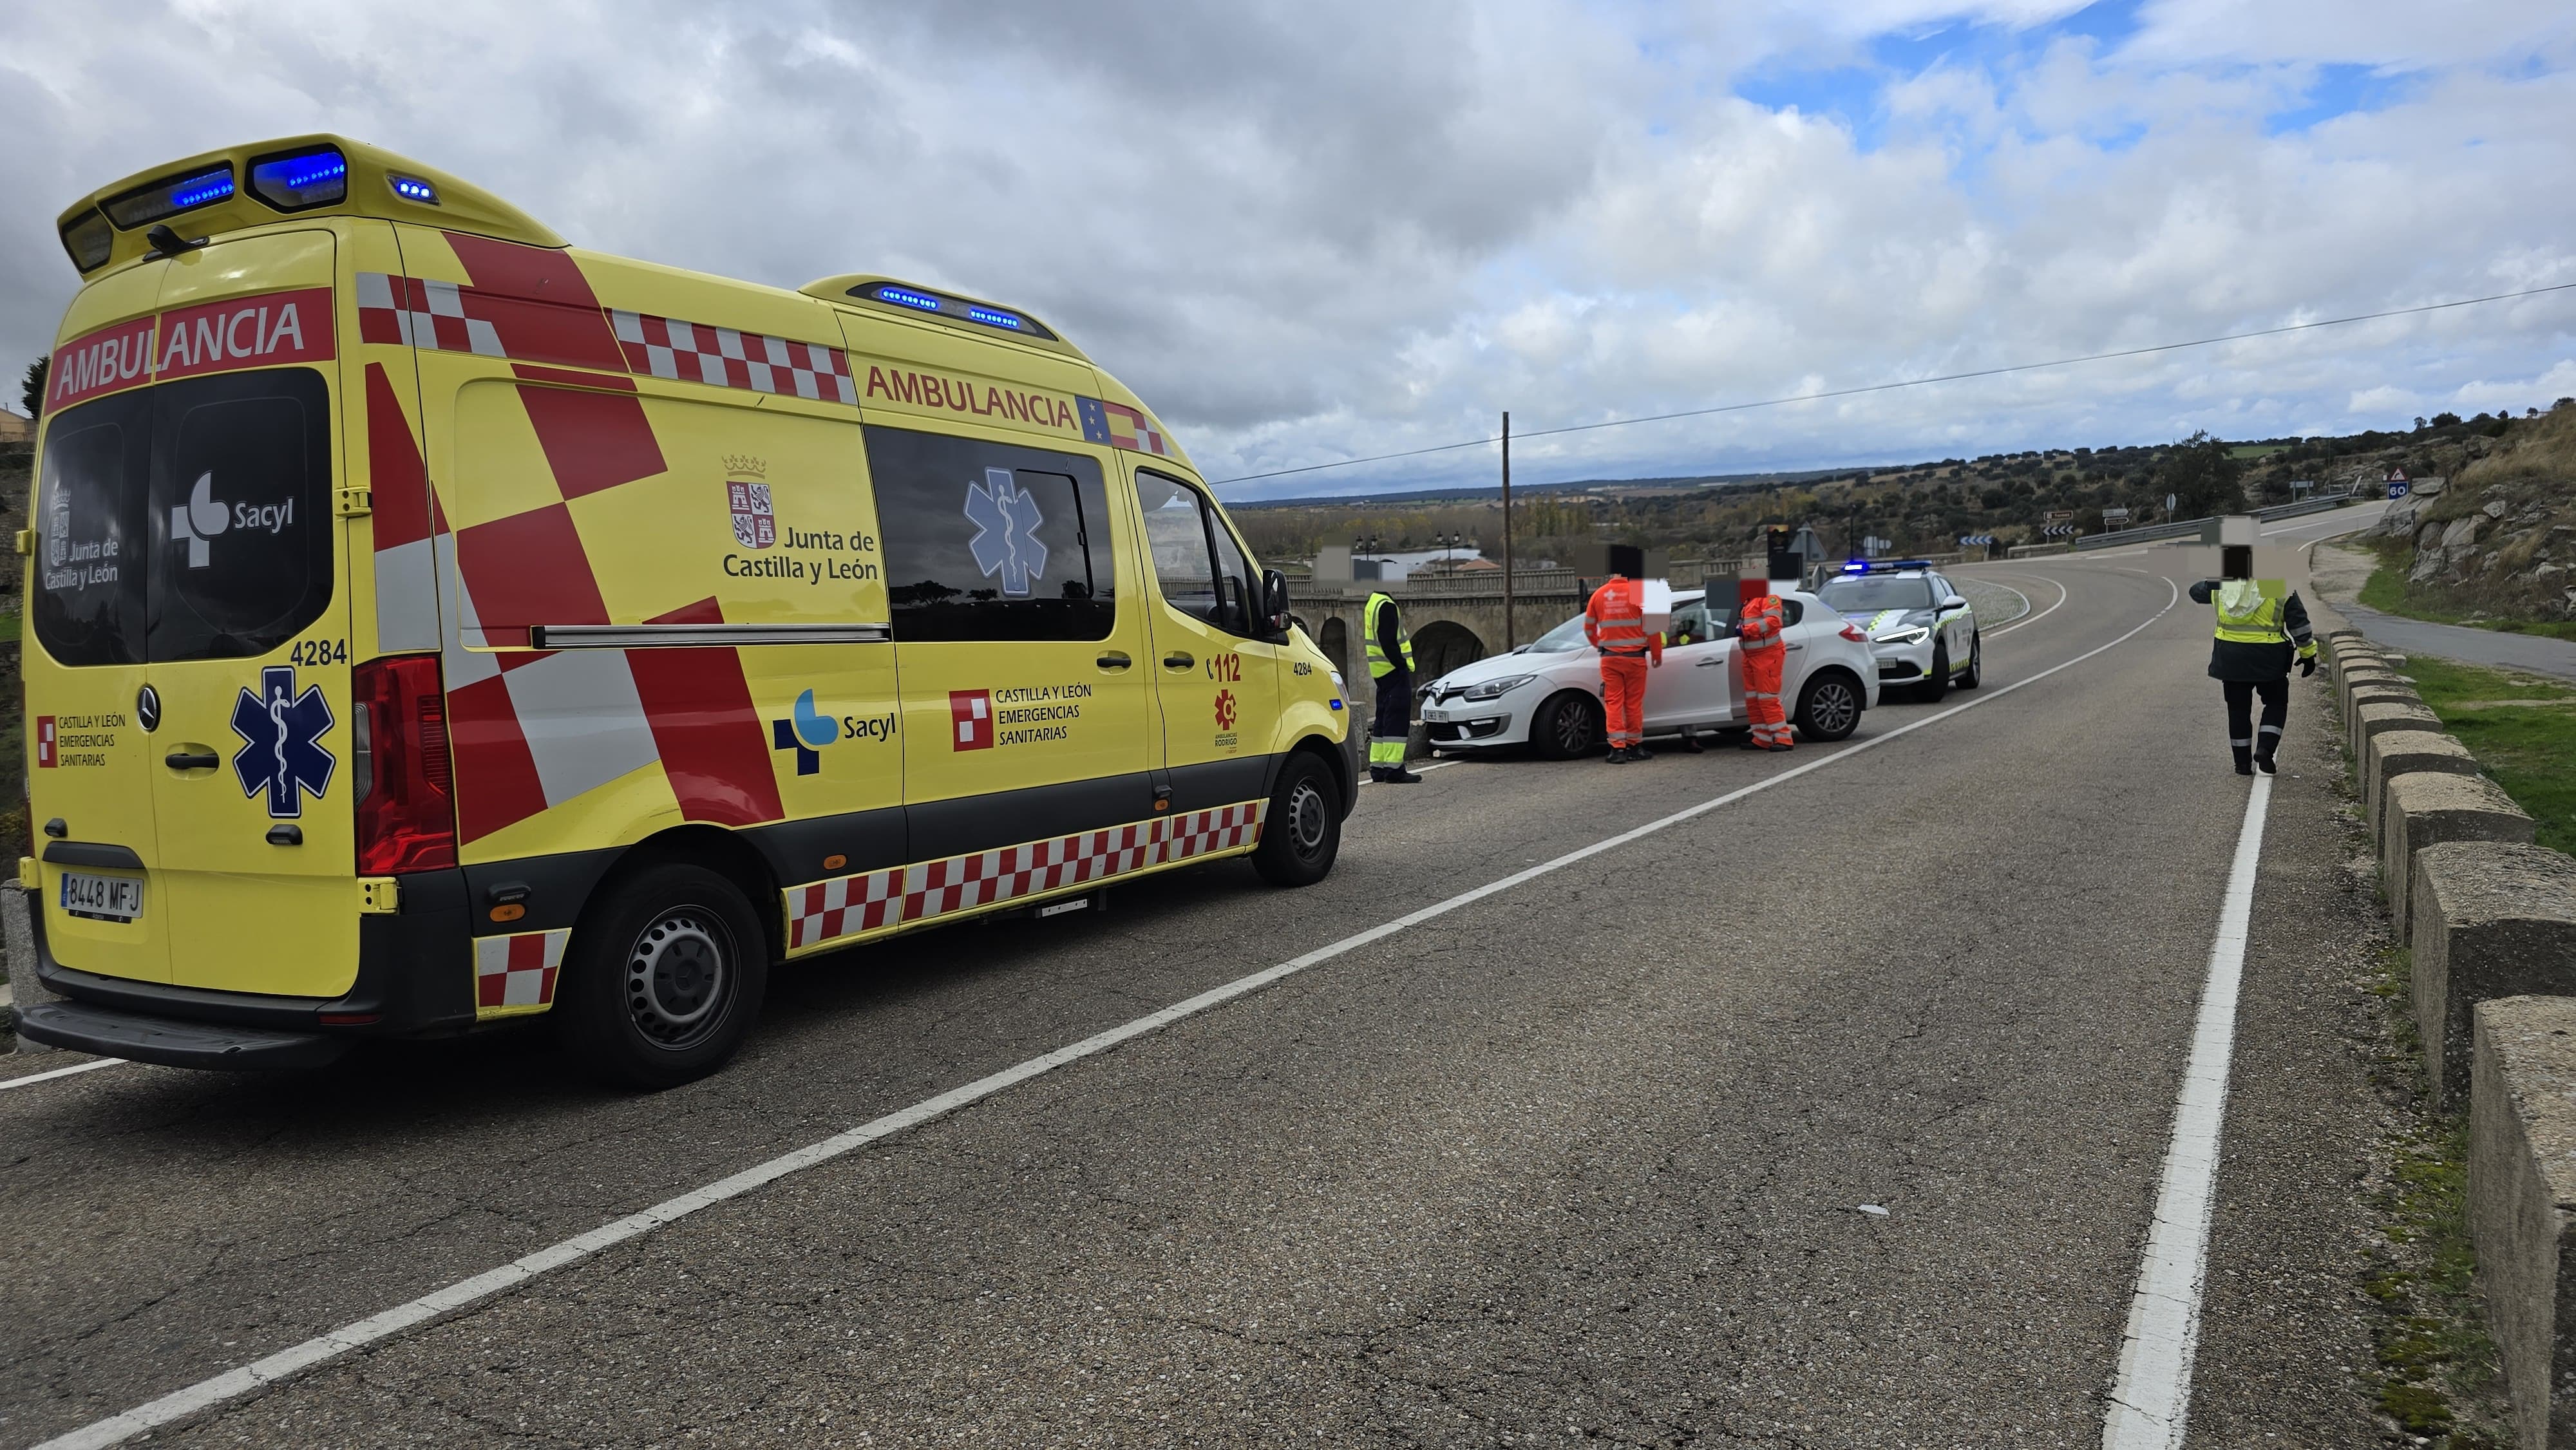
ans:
x=1975 y=674
x=1567 y=727
x=1829 y=708
x=664 y=977
x=1937 y=683
x=1302 y=833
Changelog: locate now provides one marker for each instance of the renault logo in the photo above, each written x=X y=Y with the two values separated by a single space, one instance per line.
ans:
x=147 y=708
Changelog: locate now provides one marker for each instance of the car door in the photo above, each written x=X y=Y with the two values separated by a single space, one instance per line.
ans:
x=1216 y=678
x=1019 y=648
x=1957 y=625
x=1695 y=685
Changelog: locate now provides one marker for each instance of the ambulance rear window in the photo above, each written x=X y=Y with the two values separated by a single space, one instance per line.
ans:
x=189 y=521
x=90 y=535
x=988 y=541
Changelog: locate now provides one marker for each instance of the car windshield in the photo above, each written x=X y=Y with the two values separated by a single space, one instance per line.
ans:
x=1866 y=594
x=1564 y=639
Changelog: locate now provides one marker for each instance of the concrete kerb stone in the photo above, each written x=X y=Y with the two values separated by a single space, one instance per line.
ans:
x=2522 y=1203
x=2372 y=692
x=2490 y=919
x=2346 y=656
x=2387 y=712
x=2392 y=753
x=2427 y=809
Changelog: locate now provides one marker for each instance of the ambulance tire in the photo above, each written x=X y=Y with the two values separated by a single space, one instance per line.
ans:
x=663 y=979
x=1301 y=834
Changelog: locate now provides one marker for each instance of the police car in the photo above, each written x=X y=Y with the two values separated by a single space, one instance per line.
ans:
x=1921 y=629
x=1547 y=693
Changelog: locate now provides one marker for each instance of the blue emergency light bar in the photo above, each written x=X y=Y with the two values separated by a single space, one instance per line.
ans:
x=301 y=180
x=169 y=197
x=923 y=300
x=1884 y=566
x=412 y=188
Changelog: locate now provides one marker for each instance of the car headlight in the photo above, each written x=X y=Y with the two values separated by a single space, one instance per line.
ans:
x=1496 y=689
x=1906 y=636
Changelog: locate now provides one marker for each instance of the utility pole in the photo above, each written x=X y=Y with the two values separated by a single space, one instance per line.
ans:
x=1509 y=641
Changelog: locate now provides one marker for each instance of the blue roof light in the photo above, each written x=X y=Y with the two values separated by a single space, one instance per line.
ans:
x=412 y=188
x=906 y=297
x=169 y=196
x=990 y=318
x=213 y=188
x=301 y=180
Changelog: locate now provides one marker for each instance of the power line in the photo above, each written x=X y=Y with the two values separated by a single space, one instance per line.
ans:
x=1909 y=382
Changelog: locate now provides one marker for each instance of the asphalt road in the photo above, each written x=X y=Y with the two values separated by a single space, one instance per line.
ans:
x=1585 y=1157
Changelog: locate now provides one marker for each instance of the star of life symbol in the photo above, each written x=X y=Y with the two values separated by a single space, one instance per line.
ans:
x=282 y=730
x=1006 y=531
x=754 y=526
x=1225 y=709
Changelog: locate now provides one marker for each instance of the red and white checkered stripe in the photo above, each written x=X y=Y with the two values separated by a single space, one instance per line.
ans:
x=423 y=314
x=517 y=973
x=693 y=352
x=851 y=905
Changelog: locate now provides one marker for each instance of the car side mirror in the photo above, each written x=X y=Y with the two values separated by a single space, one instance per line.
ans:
x=1953 y=602
x=1274 y=602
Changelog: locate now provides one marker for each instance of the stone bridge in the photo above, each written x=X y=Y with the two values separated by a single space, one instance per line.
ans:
x=1452 y=621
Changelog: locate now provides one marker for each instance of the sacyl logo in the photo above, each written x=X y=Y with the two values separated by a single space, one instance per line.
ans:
x=203 y=516
x=806 y=731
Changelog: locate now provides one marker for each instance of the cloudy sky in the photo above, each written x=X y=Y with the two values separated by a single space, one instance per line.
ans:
x=1317 y=230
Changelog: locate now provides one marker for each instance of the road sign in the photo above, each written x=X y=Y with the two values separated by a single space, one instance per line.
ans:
x=2397 y=488
x=2115 y=516
x=1970 y=541
x=2171 y=501
x=2060 y=531
x=2061 y=516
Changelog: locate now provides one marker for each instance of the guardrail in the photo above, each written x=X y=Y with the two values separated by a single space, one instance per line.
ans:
x=2185 y=528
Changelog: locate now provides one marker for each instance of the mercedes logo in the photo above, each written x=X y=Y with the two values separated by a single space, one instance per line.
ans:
x=147 y=708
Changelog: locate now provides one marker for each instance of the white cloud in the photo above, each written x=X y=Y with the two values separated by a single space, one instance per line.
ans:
x=1313 y=232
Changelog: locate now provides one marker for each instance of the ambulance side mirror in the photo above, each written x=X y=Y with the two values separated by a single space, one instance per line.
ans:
x=1275 y=617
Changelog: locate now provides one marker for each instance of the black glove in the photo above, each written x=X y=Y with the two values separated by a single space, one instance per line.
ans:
x=2307 y=667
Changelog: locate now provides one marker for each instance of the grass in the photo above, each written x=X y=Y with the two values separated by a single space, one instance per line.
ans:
x=2389 y=593
x=2438 y=1373
x=2522 y=729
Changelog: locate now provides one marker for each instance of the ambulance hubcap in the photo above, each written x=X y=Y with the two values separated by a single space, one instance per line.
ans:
x=1306 y=819
x=678 y=976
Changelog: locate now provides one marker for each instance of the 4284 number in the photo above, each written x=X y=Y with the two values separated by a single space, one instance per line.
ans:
x=318 y=652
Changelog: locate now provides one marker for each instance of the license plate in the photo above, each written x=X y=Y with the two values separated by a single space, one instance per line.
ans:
x=102 y=898
x=1435 y=717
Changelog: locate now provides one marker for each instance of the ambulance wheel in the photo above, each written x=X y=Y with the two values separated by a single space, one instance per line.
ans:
x=1567 y=727
x=664 y=978
x=1975 y=674
x=1937 y=683
x=1302 y=832
x=1829 y=708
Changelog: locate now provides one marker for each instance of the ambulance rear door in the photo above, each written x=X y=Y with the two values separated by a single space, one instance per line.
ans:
x=91 y=766
x=249 y=631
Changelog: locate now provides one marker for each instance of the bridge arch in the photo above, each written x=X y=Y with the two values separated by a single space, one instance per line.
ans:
x=1442 y=645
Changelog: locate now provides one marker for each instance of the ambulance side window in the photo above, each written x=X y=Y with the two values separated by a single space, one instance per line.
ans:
x=90 y=532
x=991 y=541
x=1203 y=572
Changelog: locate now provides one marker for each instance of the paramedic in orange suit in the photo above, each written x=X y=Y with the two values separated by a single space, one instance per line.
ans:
x=1759 y=644
x=1615 y=622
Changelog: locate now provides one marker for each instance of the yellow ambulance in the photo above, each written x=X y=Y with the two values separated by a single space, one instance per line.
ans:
x=429 y=623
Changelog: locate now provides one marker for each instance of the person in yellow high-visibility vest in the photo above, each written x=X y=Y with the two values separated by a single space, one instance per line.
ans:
x=1390 y=663
x=2262 y=630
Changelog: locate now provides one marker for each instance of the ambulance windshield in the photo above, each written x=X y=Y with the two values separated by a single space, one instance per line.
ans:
x=188 y=521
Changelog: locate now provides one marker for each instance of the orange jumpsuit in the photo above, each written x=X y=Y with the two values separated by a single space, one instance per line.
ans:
x=1760 y=646
x=1615 y=622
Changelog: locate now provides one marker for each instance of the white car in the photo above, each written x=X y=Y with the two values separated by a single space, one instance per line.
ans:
x=1921 y=628
x=1547 y=693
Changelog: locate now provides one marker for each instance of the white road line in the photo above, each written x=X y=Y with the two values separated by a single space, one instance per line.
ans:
x=233 y=1383
x=36 y=1077
x=2152 y=1395
x=2043 y=614
x=1418 y=769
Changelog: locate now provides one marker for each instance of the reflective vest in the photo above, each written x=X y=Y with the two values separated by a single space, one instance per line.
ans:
x=1760 y=628
x=1379 y=665
x=2249 y=611
x=1615 y=620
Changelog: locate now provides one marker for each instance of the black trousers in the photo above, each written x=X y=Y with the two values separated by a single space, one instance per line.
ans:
x=1394 y=722
x=2240 y=712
